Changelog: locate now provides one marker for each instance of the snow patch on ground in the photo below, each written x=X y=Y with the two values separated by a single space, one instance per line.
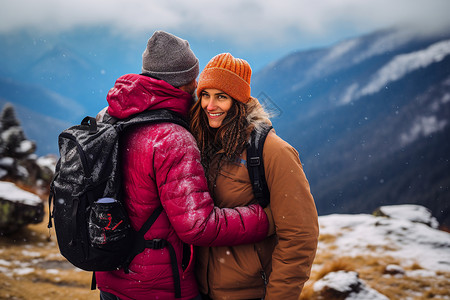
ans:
x=408 y=241
x=348 y=283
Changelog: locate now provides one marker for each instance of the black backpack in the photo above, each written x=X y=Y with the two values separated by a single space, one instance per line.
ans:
x=255 y=165
x=91 y=223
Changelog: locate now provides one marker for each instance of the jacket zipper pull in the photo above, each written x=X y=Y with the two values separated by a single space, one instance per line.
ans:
x=264 y=277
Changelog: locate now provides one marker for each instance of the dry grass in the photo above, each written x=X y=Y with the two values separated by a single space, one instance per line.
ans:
x=339 y=264
x=327 y=238
x=371 y=270
x=46 y=274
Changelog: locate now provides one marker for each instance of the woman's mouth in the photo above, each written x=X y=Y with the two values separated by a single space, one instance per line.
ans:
x=213 y=115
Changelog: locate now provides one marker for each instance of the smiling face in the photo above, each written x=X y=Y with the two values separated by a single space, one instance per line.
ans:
x=216 y=105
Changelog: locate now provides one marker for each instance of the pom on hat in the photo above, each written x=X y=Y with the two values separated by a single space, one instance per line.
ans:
x=170 y=58
x=228 y=74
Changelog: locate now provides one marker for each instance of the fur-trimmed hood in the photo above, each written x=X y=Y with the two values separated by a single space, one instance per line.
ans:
x=257 y=117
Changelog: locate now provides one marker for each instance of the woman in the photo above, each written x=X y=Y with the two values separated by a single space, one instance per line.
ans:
x=222 y=121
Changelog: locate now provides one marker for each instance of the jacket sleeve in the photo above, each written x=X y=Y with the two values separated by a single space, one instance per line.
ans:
x=295 y=217
x=183 y=192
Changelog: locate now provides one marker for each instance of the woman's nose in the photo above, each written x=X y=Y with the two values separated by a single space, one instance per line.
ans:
x=211 y=105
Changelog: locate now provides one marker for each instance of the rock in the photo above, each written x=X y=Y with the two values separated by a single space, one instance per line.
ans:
x=18 y=208
x=409 y=212
x=394 y=270
x=47 y=166
x=346 y=286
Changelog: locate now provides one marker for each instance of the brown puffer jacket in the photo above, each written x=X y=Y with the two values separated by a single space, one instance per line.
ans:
x=277 y=267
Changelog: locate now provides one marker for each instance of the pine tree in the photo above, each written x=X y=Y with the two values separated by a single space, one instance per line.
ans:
x=8 y=118
x=12 y=137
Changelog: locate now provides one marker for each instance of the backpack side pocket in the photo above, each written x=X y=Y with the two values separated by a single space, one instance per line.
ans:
x=108 y=225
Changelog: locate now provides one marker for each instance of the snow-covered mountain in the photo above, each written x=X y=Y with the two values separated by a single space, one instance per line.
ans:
x=77 y=67
x=65 y=77
x=370 y=117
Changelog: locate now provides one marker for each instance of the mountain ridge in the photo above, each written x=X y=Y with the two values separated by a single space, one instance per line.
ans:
x=350 y=145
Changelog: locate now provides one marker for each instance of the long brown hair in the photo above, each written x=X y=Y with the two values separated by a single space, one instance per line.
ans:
x=231 y=136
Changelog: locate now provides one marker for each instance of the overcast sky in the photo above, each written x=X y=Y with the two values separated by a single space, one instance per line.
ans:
x=254 y=25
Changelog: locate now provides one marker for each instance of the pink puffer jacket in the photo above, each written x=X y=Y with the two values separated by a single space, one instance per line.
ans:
x=161 y=165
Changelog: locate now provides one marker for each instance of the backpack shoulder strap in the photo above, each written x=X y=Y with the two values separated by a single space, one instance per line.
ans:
x=255 y=165
x=150 y=221
x=139 y=242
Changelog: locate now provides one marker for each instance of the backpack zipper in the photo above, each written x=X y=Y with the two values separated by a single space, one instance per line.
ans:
x=79 y=149
x=76 y=200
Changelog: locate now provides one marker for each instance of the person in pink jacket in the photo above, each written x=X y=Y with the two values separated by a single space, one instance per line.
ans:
x=161 y=166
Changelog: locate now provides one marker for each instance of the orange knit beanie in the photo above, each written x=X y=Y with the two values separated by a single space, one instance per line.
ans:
x=228 y=74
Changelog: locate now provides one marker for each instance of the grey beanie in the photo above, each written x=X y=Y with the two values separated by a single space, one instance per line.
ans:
x=169 y=58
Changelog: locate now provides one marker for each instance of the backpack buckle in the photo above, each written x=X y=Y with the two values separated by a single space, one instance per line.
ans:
x=155 y=244
x=254 y=161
